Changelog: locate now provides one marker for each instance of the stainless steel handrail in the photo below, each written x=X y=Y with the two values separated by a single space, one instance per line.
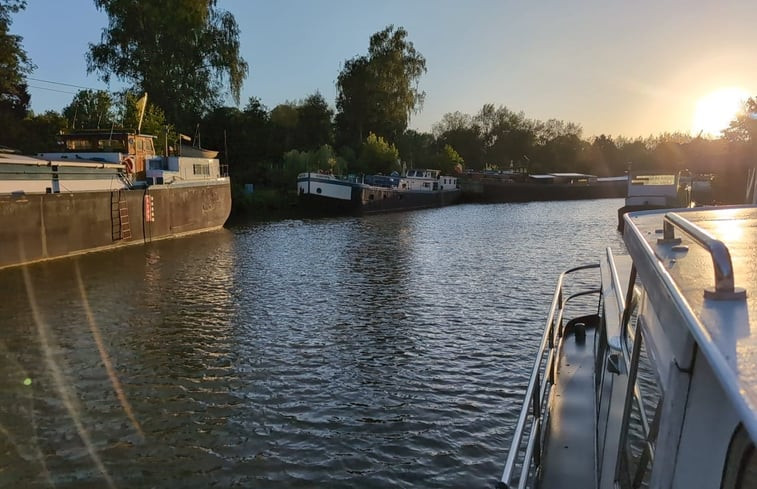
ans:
x=532 y=383
x=721 y=257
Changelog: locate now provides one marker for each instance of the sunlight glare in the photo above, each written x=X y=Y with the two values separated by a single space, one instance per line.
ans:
x=716 y=110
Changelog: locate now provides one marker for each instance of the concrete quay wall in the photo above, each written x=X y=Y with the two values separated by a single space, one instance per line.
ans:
x=36 y=227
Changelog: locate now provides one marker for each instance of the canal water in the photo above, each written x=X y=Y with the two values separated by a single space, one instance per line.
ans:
x=372 y=352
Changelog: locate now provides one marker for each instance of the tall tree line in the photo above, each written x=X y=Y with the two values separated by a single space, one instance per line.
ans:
x=195 y=60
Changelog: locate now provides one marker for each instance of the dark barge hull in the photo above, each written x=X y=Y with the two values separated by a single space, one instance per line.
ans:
x=376 y=200
x=35 y=227
x=492 y=191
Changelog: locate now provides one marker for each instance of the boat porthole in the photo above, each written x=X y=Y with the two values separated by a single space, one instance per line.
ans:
x=318 y=190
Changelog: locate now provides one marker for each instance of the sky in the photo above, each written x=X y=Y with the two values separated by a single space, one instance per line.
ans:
x=614 y=67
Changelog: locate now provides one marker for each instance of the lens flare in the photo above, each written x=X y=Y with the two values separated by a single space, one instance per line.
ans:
x=715 y=111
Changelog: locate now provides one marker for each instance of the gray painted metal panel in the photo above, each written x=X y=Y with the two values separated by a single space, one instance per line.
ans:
x=569 y=450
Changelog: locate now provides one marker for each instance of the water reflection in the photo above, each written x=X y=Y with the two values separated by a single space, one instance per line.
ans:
x=381 y=351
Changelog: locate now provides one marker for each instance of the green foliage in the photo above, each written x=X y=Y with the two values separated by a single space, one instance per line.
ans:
x=14 y=66
x=378 y=92
x=38 y=133
x=181 y=52
x=304 y=125
x=90 y=109
x=468 y=142
x=314 y=128
x=450 y=162
x=295 y=162
x=244 y=139
x=377 y=156
x=285 y=115
x=263 y=202
x=417 y=149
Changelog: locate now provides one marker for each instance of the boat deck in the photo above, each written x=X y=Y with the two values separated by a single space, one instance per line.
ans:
x=725 y=329
x=569 y=451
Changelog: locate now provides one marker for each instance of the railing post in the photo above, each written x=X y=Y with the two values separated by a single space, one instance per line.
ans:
x=724 y=288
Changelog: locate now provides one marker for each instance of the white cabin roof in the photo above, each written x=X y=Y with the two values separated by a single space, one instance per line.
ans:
x=725 y=330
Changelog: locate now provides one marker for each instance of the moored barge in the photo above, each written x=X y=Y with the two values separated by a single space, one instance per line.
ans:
x=371 y=194
x=107 y=189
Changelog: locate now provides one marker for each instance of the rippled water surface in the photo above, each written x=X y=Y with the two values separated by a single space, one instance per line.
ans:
x=384 y=351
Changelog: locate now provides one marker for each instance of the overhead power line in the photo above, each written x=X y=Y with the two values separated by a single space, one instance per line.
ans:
x=51 y=89
x=63 y=84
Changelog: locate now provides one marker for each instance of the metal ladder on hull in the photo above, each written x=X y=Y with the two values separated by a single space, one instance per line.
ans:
x=119 y=217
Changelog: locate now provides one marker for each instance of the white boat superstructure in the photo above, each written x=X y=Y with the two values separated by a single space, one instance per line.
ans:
x=27 y=175
x=653 y=189
x=325 y=185
x=133 y=155
x=427 y=181
x=654 y=385
x=176 y=170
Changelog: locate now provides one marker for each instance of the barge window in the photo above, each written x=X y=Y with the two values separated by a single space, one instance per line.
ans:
x=201 y=169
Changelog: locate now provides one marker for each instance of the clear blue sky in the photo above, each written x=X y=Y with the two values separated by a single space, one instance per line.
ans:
x=619 y=68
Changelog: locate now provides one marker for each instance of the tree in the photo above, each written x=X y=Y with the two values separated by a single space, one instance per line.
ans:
x=604 y=158
x=243 y=137
x=314 y=123
x=283 y=121
x=449 y=161
x=417 y=149
x=14 y=66
x=560 y=154
x=181 y=52
x=509 y=138
x=377 y=93
x=90 y=109
x=468 y=143
x=744 y=127
x=378 y=156
x=40 y=132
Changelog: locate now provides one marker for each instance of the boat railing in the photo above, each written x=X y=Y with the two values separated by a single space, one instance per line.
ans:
x=724 y=287
x=532 y=411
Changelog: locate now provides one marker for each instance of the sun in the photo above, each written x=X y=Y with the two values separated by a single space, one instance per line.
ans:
x=716 y=110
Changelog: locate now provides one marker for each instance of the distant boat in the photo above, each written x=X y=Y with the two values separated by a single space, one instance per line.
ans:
x=653 y=190
x=369 y=194
x=508 y=186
